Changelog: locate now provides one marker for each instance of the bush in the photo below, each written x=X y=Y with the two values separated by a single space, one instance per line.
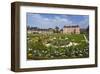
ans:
x=36 y=42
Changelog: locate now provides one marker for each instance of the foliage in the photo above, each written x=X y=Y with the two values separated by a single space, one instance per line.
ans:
x=55 y=46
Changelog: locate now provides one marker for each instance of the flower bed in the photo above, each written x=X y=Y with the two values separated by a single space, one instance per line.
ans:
x=56 y=46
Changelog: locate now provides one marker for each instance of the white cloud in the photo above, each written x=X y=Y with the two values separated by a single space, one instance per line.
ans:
x=45 y=22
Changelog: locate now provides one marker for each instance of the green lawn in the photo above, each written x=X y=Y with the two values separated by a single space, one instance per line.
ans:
x=56 y=46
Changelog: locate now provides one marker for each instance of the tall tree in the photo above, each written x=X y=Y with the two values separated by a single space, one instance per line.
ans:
x=57 y=29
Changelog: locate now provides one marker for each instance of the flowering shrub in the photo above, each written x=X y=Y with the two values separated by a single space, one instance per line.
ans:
x=56 y=46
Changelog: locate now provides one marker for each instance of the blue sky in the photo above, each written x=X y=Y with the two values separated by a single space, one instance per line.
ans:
x=53 y=20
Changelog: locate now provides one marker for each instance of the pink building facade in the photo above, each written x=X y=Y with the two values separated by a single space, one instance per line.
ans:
x=71 y=29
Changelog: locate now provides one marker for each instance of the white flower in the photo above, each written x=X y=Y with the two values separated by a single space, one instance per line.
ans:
x=54 y=38
x=29 y=49
x=75 y=44
x=66 y=38
x=47 y=44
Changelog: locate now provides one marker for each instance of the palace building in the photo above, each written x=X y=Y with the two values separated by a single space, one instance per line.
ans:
x=65 y=30
x=40 y=31
x=71 y=29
